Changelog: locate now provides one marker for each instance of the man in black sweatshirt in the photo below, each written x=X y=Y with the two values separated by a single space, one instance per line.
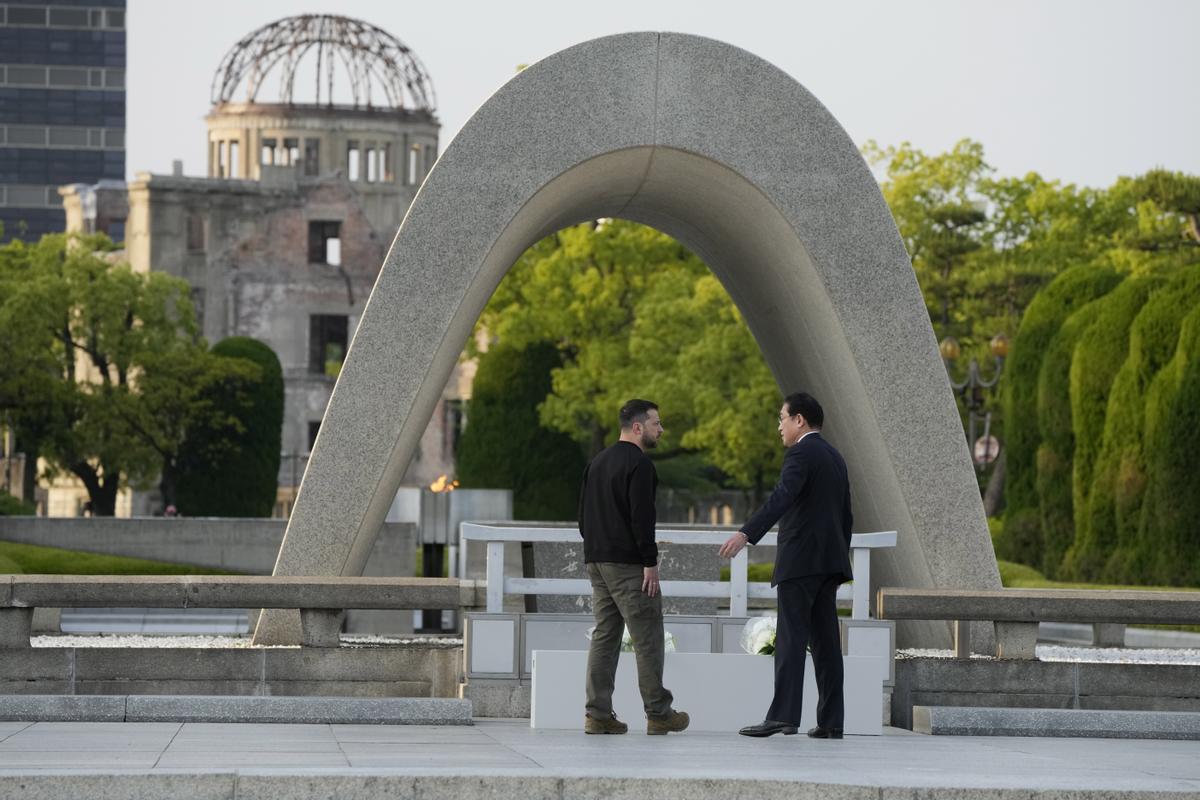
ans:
x=616 y=519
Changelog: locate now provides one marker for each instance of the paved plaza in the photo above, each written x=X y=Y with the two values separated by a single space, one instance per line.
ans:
x=100 y=760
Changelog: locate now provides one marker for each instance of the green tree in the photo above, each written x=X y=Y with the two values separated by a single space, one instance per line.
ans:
x=940 y=211
x=634 y=313
x=718 y=389
x=229 y=463
x=505 y=445
x=1178 y=195
x=83 y=334
x=579 y=289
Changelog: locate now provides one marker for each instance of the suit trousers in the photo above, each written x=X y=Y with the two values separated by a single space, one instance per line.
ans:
x=618 y=601
x=808 y=618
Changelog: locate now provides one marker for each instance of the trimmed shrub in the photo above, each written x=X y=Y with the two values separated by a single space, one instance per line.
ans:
x=1070 y=291
x=15 y=507
x=242 y=481
x=1099 y=354
x=1169 y=528
x=504 y=445
x=1119 y=484
x=1057 y=447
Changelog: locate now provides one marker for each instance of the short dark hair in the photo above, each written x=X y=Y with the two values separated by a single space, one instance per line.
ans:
x=635 y=411
x=806 y=405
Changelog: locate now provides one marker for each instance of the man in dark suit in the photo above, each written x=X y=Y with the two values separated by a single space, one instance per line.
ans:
x=811 y=502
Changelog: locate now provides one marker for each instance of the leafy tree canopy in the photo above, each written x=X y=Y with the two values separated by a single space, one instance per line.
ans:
x=102 y=369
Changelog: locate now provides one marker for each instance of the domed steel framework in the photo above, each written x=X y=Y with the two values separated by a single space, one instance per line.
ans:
x=372 y=60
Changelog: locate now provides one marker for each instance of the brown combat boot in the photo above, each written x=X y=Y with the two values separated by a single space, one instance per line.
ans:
x=610 y=725
x=674 y=722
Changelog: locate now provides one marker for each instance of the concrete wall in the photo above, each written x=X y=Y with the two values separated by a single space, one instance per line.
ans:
x=237 y=545
x=408 y=671
x=991 y=683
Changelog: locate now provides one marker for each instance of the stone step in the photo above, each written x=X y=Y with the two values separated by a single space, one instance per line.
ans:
x=1061 y=722
x=209 y=708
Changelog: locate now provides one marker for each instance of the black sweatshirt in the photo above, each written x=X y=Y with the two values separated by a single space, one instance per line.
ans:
x=616 y=507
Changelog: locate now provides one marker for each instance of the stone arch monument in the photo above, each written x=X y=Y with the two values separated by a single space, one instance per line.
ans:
x=732 y=157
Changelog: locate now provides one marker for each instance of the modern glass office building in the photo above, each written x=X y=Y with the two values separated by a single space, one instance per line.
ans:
x=62 y=106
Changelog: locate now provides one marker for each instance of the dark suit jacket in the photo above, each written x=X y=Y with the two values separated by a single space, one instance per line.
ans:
x=811 y=503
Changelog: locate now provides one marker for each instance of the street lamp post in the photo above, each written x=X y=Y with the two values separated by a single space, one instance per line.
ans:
x=986 y=448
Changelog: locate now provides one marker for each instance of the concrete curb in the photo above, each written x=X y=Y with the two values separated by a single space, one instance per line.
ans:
x=387 y=785
x=962 y=721
x=61 y=708
x=197 y=708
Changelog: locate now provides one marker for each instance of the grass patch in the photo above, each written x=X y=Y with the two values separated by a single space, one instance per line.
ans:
x=754 y=572
x=1020 y=576
x=30 y=559
x=419 y=562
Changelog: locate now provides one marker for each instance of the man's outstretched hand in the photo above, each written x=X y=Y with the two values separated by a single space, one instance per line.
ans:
x=733 y=545
x=650 y=580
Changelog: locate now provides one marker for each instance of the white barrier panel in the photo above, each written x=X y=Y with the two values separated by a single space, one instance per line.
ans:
x=722 y=692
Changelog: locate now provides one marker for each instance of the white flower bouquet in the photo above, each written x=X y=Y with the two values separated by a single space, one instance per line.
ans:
x=627 y=640
x=758 y=636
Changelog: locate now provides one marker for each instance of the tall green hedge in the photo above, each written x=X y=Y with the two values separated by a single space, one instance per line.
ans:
x=1071 y=290
x=243 y=480
x=1099 y=354
x=1168 y=538
x=504 y=445
x=1057 y=447
x=1118 y=488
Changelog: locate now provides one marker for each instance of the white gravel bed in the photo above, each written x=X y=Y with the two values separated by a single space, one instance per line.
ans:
x=1094 y=655
x=1119 y=655
x=199 y=641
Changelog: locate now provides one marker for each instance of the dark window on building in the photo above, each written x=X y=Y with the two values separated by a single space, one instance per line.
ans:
x=324 y=242
x=267 y=155
x=75 y=17
x=313 y=429
x=198 y=304
x=291 y=152
x=455 y=423
x=195 y=232
x=326 y=344
x=312 y=156
x=23 y=15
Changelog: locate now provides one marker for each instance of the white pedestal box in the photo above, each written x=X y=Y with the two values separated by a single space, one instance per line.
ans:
x=721 y=691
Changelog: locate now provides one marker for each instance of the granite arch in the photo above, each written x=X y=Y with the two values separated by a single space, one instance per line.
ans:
x=734 y=158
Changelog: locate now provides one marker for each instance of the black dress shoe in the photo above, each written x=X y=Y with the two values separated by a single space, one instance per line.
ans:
x=825 y=733
x=769 y=727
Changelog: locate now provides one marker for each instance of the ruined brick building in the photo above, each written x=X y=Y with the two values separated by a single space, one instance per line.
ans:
x=283 y=238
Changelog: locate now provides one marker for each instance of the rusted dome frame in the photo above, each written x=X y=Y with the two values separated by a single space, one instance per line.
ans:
x=369 y=56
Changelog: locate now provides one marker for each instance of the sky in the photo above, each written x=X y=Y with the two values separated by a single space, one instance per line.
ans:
x=1082 y=92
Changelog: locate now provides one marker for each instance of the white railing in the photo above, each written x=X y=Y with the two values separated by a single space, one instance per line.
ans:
x=738 y=589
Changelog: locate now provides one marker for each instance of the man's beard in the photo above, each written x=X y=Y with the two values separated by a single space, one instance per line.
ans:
x=649 y=443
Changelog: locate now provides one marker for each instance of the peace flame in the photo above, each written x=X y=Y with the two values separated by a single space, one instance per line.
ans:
x=443 y=485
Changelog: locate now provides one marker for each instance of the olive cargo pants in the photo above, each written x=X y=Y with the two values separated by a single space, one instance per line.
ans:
x=618 y=601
